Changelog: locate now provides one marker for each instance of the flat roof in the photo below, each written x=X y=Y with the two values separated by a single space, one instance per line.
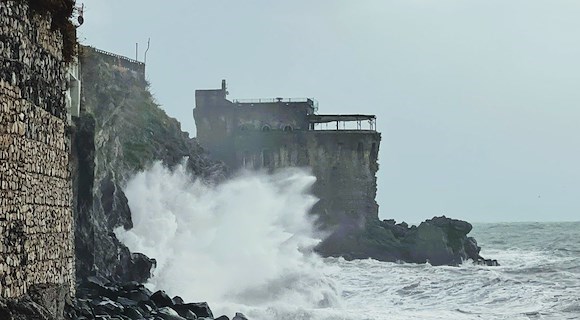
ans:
x=324 y=118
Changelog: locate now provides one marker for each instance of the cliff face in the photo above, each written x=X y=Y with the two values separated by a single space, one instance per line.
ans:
x=121 y=131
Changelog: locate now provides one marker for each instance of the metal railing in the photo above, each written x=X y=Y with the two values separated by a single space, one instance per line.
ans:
x=312 y=102
x=114 y=55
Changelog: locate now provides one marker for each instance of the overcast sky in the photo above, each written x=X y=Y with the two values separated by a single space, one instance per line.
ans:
x=478 y=101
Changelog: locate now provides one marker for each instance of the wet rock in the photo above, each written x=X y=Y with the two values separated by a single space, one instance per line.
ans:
x=133 y=313
x=161 y=299
x=189 y=315
x=177 y=300
x=222 y=318
x=167 y=313
x=239 y=316
x=439 y=241
x=201 y=309
x=107 y=307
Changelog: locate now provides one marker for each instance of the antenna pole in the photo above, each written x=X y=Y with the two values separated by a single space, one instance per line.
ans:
x=137 y=51
x=148 y=43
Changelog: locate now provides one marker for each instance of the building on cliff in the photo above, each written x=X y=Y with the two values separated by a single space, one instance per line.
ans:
x=278 y=133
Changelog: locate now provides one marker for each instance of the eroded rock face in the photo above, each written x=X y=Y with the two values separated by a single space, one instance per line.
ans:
x=439 y=241
x=121 y=131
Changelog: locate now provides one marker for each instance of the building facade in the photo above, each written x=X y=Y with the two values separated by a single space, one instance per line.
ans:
x=278 y=133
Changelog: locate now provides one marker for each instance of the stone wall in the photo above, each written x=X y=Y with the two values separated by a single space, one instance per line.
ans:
x=36 y=222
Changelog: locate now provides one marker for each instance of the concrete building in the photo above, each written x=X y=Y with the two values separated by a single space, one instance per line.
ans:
x=341 y=150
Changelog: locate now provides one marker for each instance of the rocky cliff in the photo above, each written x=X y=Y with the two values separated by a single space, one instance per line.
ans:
x=121 y=130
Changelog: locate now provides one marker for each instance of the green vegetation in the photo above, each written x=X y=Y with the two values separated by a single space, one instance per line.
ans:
x=131 y=130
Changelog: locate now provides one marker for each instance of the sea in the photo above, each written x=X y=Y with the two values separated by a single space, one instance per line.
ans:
x=244 y=247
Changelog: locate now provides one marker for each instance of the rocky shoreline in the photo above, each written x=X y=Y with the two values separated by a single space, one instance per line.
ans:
x=98 y=298
x=438 y=241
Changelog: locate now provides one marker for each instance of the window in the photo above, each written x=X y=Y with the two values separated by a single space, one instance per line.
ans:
x=266 y=128
x=288 y=128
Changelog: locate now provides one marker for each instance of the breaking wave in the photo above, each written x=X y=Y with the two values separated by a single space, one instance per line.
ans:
x=243 y=242
x=244 y=245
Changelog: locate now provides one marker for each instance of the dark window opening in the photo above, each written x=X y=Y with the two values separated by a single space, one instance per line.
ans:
x=288 y=128
x=266 y=128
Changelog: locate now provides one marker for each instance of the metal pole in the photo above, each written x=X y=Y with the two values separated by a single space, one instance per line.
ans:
x=148 y=42
x=137 y=51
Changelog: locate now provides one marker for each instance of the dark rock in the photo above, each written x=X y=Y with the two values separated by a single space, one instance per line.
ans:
x=177 y=300
x=107 y=307
x=222 y=318
x=189 y=315
x=239 y=316
x=23 y=309
x=127 y=302
x=200 y=309
x=133 y=314
x=403 y=225
x=161 y=299
x=137 y=295
x=167 y=313
x=147 y=306
x=439 y=241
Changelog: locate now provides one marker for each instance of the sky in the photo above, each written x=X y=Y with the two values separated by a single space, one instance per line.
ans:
x=478 y=101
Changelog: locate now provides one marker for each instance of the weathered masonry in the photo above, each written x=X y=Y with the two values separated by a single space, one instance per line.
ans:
x=277 y=133
x=36 y=220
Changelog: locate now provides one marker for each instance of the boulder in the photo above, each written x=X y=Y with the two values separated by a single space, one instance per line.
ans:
x=200 y=309
x=439 y=241
x=239 y=316
x=167 y=313
x=161 y=299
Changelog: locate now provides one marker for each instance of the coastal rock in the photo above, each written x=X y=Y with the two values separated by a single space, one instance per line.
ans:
x=121 y=131
x=161 y=299
x=201 y=309
x=240 y=316
x=94 y=300
x=439 y=241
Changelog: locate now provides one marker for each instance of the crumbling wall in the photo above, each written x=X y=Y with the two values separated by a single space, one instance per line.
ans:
x=36 y=221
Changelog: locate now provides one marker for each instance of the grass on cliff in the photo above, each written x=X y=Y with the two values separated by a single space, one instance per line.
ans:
x=132 y=130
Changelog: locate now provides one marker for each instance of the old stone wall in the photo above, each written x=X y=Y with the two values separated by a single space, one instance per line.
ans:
x=36 y=221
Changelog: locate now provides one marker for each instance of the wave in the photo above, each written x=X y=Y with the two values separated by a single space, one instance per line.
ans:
x=245 y=242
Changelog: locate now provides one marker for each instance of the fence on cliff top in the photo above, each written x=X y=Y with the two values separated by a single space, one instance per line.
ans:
x=121 y=61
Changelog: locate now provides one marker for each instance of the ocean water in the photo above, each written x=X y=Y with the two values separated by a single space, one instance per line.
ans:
x=244 y=246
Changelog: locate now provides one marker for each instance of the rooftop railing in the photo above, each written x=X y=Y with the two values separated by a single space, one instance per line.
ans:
x=311 y=101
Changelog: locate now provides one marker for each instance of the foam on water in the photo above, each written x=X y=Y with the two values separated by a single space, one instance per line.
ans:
x=244 y=242
x=244 y=246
